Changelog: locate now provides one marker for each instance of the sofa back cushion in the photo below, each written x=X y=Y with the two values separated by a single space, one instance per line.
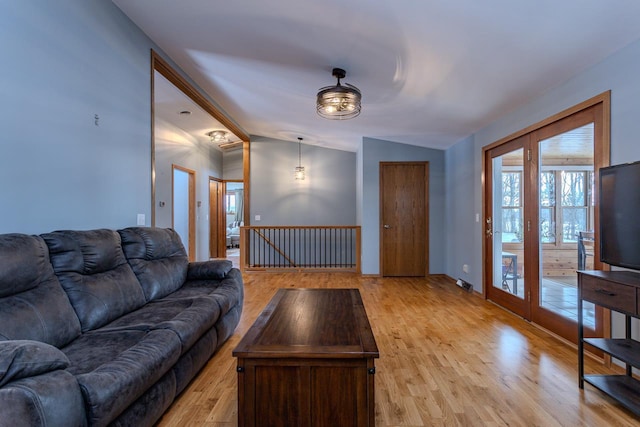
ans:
x=33 y=305
x=157 y=257
x=95 y=274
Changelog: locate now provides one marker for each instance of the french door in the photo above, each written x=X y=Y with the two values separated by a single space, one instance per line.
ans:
x=541 y=219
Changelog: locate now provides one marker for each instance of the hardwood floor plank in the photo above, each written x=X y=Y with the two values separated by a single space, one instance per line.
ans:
x=447 y=358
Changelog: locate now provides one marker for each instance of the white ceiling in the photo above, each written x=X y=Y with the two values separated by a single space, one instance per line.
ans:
x=431 y=72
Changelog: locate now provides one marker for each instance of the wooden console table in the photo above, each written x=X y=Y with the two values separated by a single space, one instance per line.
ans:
x=308 y=360
x=618 y=291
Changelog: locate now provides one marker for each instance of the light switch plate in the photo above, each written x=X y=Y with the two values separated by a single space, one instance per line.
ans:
x=141 y=219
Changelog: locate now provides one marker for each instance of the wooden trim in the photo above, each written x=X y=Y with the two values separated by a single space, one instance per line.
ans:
x=604 y=98
x=246 y=177
x=192 y=207
x=220 y=224
x=153 y=143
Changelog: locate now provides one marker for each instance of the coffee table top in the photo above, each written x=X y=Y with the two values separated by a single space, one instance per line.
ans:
x=314 y=323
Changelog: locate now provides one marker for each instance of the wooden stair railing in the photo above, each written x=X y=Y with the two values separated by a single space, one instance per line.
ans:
x=300 y=248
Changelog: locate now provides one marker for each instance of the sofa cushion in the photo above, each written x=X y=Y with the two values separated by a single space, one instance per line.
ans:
x=95 y=274
x=189 y=318
x=157 y=257
x=26 y=358
x=24 y=263
x=228 y=292
x=114 y=368
x=32 y=302
x=209 y=270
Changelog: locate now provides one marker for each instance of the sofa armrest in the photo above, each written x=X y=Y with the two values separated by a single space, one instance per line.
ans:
x=35 y=389
x=208 y=270
x=26 y=358
x=53 y=399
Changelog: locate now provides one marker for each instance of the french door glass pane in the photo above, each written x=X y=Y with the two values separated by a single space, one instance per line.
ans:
x=565 y=198
x=507 y=223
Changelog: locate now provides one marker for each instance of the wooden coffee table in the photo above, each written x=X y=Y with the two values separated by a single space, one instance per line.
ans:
x=308 y=360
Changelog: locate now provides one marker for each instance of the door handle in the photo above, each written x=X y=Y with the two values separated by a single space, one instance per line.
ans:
x=387 y=226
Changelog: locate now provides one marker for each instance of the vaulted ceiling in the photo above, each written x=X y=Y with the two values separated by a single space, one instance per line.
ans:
x=431 y=72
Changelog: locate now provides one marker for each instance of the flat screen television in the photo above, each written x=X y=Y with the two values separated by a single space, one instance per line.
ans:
x=620 y=215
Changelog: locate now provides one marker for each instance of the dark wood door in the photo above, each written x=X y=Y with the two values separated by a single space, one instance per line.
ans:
x=217 y=236
x=404 y=218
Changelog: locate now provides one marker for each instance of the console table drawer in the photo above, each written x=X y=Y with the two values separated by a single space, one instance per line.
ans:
x=610 y=295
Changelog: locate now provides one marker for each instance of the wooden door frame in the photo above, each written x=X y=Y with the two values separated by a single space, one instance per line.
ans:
x=192 y=206
x=602 y=132
x=426 y=219
x=220 y=224
x=517 y=305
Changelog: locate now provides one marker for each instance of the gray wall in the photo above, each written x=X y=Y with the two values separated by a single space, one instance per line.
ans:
x=460 y=189
x=326 y=197
x=173 y=146
x=375 y=151
x=617 y=73
x=62 y=63
x=232 y=165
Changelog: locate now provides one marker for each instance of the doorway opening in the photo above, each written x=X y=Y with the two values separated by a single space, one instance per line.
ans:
x=183 y=207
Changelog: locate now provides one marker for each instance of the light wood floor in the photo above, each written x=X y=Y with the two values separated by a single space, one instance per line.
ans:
x=447 y=358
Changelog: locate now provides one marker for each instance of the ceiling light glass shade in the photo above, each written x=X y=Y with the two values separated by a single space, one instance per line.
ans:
x=339 y=102
x=218 y=136
x=298 y=172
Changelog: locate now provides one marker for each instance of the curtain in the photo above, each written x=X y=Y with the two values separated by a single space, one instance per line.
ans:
x=239 y=206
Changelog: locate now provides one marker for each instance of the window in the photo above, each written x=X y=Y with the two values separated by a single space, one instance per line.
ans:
x=547 y=207
x=570 y=205
x=575 y=203
x=511 y=207
x=230 y=203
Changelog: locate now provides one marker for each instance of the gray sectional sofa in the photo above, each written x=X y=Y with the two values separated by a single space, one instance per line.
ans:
x=106 y=327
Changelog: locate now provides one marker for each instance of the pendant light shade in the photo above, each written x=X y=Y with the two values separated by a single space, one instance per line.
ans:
x=298 y=173
x=339 y=102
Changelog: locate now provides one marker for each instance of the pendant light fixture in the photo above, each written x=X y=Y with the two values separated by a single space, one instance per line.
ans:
x=299 y=170
x=339 y=102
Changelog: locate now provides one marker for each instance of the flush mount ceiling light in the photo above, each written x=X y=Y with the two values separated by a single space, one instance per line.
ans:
x=217 y=136
x=299 y=170
x=339 y=102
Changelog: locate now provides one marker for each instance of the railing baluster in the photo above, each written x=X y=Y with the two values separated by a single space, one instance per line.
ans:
x=299 y=247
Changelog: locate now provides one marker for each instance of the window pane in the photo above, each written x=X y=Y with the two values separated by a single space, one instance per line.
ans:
x=547 y=189
x=573 y=221
x=231 y=203
x=573 y=189
x=511 y=189
x=511 y=225
x=547 y=226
